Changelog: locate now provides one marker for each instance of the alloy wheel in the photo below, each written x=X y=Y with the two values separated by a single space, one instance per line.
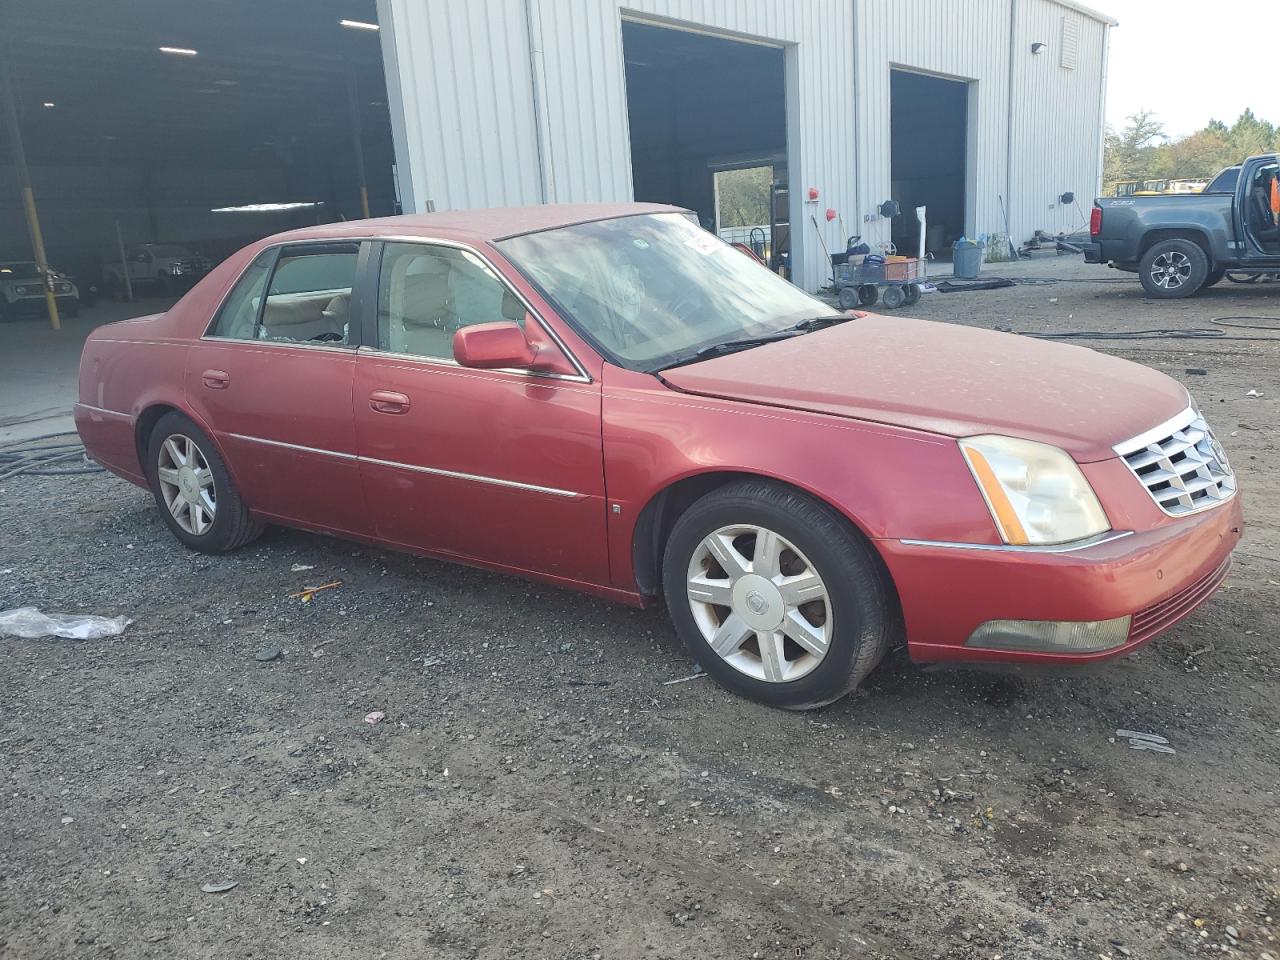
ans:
x=187 y=484
x=1170 y=270
x=759 y=603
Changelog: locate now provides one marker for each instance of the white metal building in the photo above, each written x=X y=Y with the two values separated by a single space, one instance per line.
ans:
x=989 y=111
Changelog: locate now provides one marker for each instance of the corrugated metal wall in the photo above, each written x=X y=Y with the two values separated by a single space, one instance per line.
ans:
x=498 y=102
x=961 y=40
x=1057 y=125
x=462 y=75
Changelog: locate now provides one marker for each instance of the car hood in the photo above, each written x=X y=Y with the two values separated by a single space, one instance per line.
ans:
x=944 y=378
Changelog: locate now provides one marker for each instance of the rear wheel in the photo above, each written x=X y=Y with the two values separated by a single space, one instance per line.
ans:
x=776 y=596
x=893 y=297
x=913 y=294
x=1173 y=269
x=193 y=489
x=868 y=294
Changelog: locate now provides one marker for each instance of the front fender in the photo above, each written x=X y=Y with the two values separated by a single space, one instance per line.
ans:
x=888 y=481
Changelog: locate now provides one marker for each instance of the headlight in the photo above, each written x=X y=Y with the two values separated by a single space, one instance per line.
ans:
x=1036 y=493
x=20 y=291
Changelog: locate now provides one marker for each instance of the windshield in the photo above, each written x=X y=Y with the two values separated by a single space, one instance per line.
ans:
x=19 y=271
x=652 y=291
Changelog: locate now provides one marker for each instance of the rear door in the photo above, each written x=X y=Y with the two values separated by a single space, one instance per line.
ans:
x=273 y=377
x=498 y=466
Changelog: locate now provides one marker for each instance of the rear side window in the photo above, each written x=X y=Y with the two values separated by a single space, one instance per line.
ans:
x=307 y=294
x=239 y=313
x=309 y=299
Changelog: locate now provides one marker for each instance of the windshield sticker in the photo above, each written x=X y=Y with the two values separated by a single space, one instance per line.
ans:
x=702 y=242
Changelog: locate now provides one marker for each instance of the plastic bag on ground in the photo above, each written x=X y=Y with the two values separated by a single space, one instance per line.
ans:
x=30 y=623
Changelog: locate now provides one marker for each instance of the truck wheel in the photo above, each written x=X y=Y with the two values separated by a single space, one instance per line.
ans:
x=1215 y=276
x=1173 y=269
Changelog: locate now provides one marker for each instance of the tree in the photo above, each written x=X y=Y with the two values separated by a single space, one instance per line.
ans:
x=1129 y=154
x=1141 y=151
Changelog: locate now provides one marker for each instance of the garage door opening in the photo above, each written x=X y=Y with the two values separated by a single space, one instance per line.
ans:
x=929 y=119
x=159 y=133
x=708 y=131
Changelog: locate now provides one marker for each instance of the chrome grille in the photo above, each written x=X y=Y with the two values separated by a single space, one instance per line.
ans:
x=1181 y=464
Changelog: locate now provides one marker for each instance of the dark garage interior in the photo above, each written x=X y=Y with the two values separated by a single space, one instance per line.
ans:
x=929 y=121
x=700 y=105
x=143 y=122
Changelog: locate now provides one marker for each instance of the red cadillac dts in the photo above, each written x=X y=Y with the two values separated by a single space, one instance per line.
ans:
x=611 y=399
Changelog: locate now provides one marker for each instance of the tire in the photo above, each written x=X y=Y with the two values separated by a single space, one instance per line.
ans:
x=868 y=294
x=231 y=525
x=850 y=622
x=1214 y=277
x=1173 y=269
x=893 y=297
x=848 y=298
x=913 y=294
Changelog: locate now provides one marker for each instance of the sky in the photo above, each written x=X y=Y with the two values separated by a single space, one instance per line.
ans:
x=1190 y=62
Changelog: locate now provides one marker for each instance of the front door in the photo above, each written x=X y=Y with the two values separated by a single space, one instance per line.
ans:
x=273 y=380
x=500 y=467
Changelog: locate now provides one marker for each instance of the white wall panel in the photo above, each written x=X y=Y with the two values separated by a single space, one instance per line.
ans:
x=464 y=77
x=1057 y=119
x=465 y=94
x=958 y=39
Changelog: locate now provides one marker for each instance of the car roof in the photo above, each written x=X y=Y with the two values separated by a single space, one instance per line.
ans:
x=495 y=223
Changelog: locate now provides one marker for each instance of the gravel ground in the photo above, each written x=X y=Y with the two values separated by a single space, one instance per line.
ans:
x=537 y=789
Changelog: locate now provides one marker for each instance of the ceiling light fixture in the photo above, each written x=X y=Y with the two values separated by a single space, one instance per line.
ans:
x=48 y=103
x=179 y=51
x=269 y=207
x=358 y=25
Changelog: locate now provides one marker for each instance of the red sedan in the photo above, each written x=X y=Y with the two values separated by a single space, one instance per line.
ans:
x=611 y=399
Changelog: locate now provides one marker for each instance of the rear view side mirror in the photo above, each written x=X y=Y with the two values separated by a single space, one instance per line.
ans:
x=493 y=346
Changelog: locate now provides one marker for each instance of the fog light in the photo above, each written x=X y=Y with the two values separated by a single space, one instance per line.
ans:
x=1051 y=636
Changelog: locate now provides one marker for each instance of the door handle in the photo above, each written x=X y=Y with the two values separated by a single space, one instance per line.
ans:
x=216 y=379
x=388 y=401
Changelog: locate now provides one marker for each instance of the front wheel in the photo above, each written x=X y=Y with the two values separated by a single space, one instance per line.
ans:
x=776 y=596
x=193 y=489
x=1172 y=269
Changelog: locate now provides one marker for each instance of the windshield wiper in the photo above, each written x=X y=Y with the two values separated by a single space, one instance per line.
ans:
x=727 y=346
x=817 y=323
x=743 y=343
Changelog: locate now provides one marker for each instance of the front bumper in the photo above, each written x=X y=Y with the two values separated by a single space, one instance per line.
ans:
x=29 y=306
x=1158 y=577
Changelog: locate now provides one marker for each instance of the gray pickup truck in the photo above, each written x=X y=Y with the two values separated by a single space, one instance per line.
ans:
x=1178 y=243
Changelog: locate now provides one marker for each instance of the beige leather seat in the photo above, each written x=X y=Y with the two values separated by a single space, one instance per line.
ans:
x=423 y=321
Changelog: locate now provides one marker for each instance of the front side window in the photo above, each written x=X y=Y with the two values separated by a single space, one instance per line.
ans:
x=309 y=299
x=427 y=293
x=654 y=290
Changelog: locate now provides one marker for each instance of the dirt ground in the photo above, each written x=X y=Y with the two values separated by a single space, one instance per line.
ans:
x=538 y=789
